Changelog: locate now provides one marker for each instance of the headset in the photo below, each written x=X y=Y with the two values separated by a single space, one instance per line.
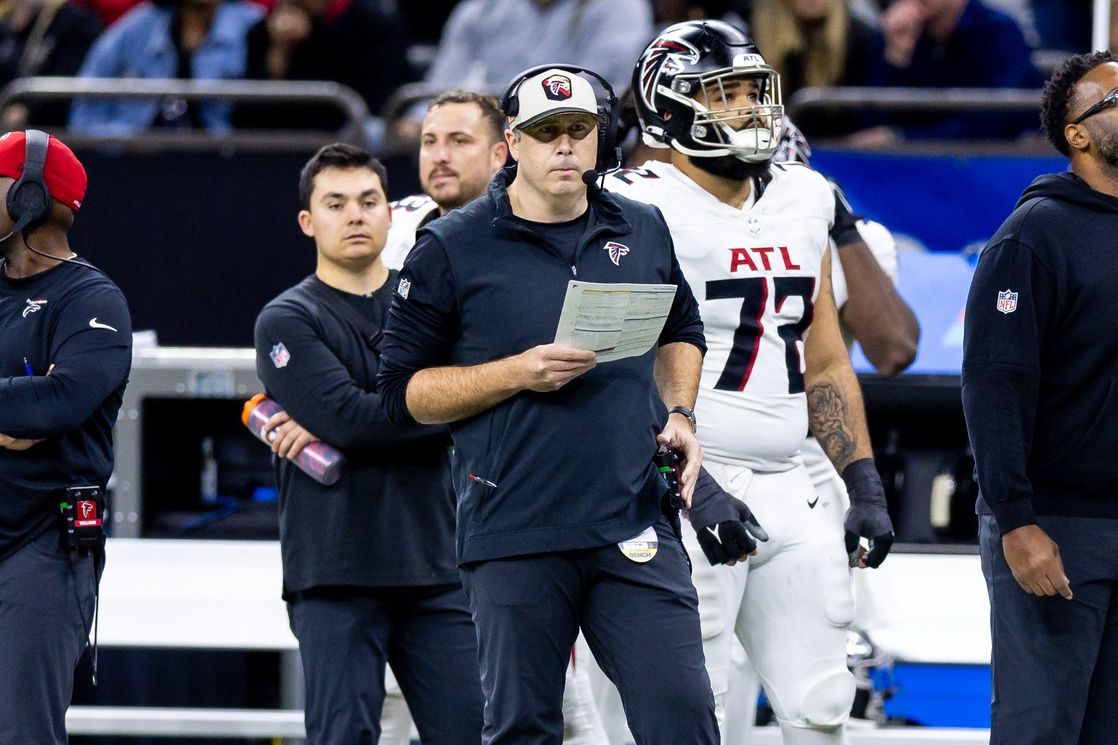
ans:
x=609 y=154
x=29 y=199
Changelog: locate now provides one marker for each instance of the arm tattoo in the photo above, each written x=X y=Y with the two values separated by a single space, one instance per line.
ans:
x=828 y=415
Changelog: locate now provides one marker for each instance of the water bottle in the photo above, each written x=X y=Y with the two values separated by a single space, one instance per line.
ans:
x=318 y=460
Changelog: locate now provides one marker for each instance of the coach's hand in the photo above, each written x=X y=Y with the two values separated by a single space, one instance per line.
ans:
x=725 y=526
x=549 y=367
x=1034 y=559
x=868 y=516
x=677 y=435
x=16 y=443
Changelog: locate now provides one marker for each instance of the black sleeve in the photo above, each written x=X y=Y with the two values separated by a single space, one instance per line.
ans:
x=319 y=392
x=422 y=324
x=1001 y=373
x=684 y=322
x=91 y=350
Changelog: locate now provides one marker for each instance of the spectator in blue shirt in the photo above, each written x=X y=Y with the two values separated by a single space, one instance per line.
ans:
x=189 y=39
x=957 y=43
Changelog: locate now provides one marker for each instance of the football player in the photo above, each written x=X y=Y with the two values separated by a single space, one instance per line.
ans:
x=752 y=238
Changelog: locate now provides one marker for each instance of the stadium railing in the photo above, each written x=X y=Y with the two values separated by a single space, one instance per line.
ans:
x=344 y=98
x=943 y=100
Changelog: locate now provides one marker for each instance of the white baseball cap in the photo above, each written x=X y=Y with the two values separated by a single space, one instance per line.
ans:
x=553 y=92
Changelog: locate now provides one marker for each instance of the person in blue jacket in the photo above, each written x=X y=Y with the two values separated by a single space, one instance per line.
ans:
x=560 y=516
x=184 y=39
x=1040 y=395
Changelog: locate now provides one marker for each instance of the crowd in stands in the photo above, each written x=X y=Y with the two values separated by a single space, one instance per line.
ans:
x=377 y=46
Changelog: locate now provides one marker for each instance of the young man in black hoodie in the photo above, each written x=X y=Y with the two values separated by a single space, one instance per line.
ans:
x=1040 y=365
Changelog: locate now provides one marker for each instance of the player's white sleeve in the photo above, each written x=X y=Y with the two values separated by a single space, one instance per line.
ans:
x=407 y=213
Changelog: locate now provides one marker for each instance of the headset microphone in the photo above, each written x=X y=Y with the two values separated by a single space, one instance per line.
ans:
x=589 y=177
x=23 y=221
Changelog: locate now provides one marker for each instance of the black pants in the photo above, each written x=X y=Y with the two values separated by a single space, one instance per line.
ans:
x=346 y=635
x=46 y=609
x=1055 y=661
x=640 y=620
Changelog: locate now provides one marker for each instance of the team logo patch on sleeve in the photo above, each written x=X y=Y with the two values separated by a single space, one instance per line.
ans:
x=557 y=87
x=1007 y=301
x=616 y=251
x=404 y=288
x=280 y=356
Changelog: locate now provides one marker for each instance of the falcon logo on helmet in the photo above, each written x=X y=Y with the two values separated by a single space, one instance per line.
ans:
x=663 y=54
x=557 y=87
x=687 y=100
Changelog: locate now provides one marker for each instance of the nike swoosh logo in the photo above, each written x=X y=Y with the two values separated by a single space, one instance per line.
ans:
x=812 y=502
x=94 y=325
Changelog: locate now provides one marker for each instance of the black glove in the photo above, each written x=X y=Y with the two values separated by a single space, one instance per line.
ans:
x=845 y=229
x=868 y=516
x=724 y=525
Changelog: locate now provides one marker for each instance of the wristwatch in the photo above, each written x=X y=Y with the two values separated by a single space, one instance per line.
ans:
x=687 y=413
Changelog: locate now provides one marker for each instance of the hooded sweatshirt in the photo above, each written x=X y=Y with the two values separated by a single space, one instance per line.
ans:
x=1040 y=357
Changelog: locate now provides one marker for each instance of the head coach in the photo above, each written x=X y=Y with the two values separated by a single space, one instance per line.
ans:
x=554 y=455
x=65 y=354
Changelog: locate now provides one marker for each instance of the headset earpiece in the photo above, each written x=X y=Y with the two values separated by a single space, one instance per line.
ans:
x=29 y=199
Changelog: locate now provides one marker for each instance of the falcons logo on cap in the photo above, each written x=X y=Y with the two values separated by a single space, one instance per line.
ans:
x=616 y=251
x=557 y=87
x=668 y=54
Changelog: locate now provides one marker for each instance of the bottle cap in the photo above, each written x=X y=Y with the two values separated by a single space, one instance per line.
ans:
x=246 y=412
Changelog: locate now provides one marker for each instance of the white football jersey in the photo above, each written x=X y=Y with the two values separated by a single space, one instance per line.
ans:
x=407 y=213
x=756 y=273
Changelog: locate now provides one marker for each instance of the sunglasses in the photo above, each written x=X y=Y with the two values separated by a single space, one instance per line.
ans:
x=1110 y=99
x=552 y=129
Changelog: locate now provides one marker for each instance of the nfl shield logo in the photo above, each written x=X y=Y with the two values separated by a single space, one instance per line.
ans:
x=404 y=288
x=1007 y=301
x=280 y=356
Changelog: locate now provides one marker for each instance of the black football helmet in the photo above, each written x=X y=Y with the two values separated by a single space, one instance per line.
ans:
x=679 y=80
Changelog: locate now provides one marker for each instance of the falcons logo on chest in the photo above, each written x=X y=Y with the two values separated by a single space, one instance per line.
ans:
x=616 y=251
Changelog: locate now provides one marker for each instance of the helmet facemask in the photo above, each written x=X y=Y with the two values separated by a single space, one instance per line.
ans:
x=750 y=133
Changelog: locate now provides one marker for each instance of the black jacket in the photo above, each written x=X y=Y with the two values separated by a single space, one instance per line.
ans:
x=54 y=43
x=76 y=319
x=363 y=47
x=1040 y=357
x=389 y=521
x=572 y=468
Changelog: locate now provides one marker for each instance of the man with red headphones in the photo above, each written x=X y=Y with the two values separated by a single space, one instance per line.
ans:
x=65 y=355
